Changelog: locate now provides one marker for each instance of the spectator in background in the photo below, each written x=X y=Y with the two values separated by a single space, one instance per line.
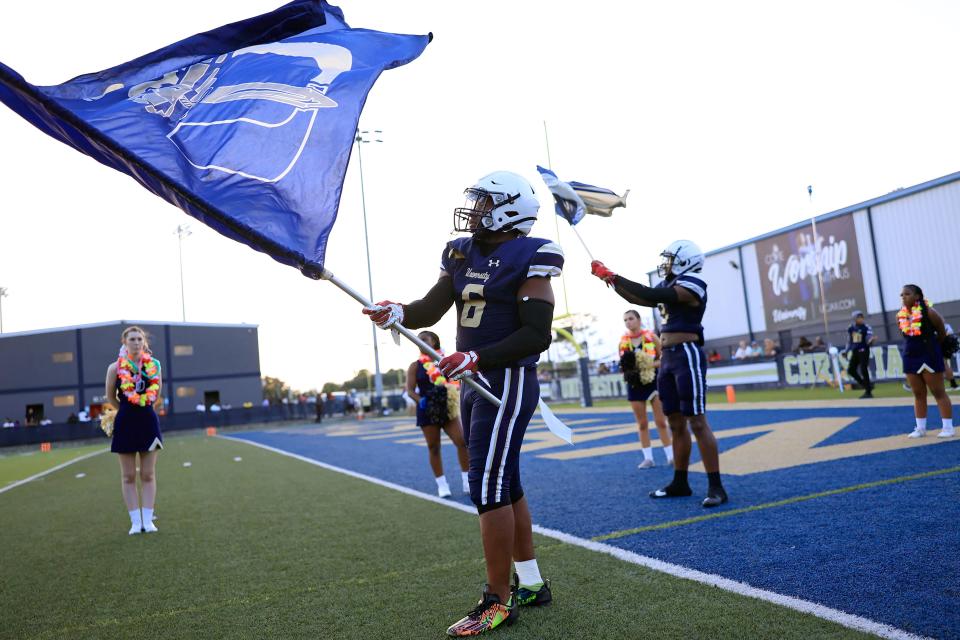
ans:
x=818 y=344
x=602 y=368
x=860 y=337
x=923 y=335
x=215 y=408
x=743 y=351
x=770 y=348
x=754 y=351
x=714 y=356
x=71 y=419
x=84 y=416
x=265 y=403
x=804 y=345
x=7 y=423
x=202 y=408
x=45 y=422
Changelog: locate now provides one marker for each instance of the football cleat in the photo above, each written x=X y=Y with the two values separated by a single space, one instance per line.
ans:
x=716 y=496
x=489 y=614
x=527 y=597
x=670 y=492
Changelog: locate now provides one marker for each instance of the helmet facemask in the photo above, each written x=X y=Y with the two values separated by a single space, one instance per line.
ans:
x=666 y=267
x=476 y=214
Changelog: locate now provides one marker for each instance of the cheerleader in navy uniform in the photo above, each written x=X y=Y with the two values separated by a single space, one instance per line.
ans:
x=923 y=334
x=132 y=388
x=639 y=359
x=437 y=401
x=682 y=378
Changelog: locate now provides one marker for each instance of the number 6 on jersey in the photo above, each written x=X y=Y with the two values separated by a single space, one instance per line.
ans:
x=472 y=308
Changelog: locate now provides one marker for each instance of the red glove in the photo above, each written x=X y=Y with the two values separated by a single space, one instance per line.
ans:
x=385 y=314
x=459 y=365
x=600 y=270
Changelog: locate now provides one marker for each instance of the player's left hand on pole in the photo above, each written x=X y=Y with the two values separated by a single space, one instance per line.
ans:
x=385 y=314
x=459 y=365
x=600 y=270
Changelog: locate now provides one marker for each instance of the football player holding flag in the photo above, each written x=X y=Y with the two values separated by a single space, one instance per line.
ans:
x=682 y=379
x=499 y=279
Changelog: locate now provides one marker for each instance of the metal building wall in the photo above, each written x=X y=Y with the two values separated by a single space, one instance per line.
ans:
x=727 y=311
x=918 y=241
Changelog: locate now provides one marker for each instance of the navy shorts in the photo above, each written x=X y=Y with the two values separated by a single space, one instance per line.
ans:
x=642 y=393
x=682 y=381
x=494 y=434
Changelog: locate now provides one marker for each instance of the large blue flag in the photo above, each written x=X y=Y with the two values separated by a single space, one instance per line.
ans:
x=573 y=200
x=247 y=127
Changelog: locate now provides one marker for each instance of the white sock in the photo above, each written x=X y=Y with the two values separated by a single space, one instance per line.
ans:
x=668 y=449
x=648 y=453
x=442 y=483
x=147 y=515
x=135 y=518
x=922 y=424
x=465 y=478
x=528 y=573
x=947 y=424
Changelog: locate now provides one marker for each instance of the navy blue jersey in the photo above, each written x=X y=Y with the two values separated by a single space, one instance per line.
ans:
x=680 y=317
x=486 y=279
x=859 y=337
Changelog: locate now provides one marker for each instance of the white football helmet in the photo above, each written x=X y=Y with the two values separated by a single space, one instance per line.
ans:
x=680 y=257
x=501 y=201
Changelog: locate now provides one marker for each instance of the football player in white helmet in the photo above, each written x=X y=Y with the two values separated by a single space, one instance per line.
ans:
x=499 y=279
x=682 y=377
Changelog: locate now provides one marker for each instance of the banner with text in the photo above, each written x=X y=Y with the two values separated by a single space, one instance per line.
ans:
x=788 y=274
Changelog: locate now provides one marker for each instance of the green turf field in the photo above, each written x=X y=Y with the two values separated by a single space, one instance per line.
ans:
x=20 y=464
x=270 y=547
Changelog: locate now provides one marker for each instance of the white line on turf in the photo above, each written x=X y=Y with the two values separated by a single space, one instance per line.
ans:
x=51 y=470
x=741 y=588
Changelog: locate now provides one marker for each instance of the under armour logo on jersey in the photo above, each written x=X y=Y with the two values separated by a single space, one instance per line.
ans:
x=494 y=263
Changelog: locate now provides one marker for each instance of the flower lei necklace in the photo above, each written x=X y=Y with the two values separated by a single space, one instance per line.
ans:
x=433 y=372
x=910 y=320
x=626 y=342
x=130 y=377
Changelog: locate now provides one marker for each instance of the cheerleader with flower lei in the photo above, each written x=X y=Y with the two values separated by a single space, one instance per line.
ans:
x=639 y=341
x=923 y=333
x=132 y=388
x=425 y=384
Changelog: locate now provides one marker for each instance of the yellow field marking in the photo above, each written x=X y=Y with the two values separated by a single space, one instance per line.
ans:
x=769 y=505
x=783 y=445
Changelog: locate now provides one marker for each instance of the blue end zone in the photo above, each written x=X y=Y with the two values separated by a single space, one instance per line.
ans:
x=888 y=553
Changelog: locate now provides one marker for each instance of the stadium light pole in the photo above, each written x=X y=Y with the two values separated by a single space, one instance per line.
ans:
x=378 y=377
x=183 y=230
x=3 y=294
x=831 y=351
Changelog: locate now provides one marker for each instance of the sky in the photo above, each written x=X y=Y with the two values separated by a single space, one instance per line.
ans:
x=716 y=116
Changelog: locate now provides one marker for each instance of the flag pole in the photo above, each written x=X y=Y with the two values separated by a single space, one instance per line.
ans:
x=582 y=242
x=406 y=333
x=563 y=281
x=554 y=424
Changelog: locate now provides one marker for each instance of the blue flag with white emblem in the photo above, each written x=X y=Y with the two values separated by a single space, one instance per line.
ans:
x=248 y=127
x=573 y=200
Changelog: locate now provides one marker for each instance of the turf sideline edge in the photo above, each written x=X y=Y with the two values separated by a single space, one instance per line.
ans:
x=52 y=469
x=848 y=620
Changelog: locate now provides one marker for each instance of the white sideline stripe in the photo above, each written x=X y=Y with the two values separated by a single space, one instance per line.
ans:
x=842 y=618
x=51 y=470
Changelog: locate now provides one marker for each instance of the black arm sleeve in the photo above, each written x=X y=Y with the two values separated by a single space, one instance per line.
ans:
x=533 y=336
x=643 y=295
x=427 y=311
